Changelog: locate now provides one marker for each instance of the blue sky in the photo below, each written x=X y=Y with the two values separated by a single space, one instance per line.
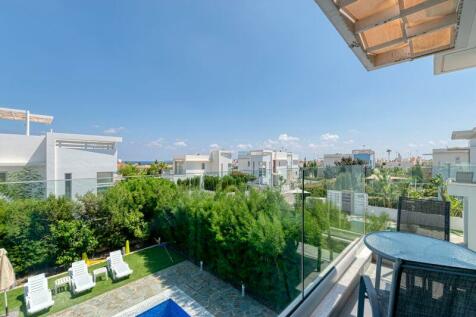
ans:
x=182 y=76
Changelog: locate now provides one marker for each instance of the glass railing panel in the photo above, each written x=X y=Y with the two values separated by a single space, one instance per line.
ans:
x=334 y=216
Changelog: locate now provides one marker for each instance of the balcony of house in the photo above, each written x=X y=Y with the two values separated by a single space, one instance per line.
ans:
x=225 y=246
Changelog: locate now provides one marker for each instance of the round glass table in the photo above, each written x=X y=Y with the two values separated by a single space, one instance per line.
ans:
x=412 y=247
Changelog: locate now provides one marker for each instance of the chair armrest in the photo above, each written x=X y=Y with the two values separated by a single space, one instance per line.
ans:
x=372 y=296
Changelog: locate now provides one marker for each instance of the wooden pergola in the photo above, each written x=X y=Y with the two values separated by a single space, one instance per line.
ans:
x=24 y=115
x=385 y=32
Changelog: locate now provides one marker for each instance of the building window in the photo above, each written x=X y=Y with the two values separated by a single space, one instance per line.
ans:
x=68 y=184
x=104 y=181
x=262 y=172
x=248 y=163
x=3 y=177
x=203 y=166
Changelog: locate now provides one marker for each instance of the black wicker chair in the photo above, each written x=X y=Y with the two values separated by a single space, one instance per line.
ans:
x=422 y=290
x=426 y=217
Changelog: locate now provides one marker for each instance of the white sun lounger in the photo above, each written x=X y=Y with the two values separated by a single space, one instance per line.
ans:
x=117 y=266
x=81 y=280
x=37 y=294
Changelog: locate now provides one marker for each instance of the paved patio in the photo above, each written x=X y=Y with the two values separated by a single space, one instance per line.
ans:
x=206 y=291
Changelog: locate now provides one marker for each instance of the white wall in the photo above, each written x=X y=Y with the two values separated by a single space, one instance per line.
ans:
x=82 y=163
x=195 y=168
x=20 y=150
x=472 y=149
x=220 y=163
x=53 y=161
x=442 y=156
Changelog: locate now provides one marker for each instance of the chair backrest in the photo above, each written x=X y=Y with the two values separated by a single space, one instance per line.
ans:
x=426 y=217
x=79 y=268
x=37 y=283
x=116 y=257
x=464 y=177
x=431 y=290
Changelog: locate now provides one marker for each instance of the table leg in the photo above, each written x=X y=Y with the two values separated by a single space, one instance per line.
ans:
x=378 y=272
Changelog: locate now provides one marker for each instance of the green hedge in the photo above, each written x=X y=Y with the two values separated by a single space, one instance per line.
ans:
x=243 y=237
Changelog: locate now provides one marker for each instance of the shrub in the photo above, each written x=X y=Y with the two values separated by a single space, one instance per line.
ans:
x=71 y=240
x=211 y=182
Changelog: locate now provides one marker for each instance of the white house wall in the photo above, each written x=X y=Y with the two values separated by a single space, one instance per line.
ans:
x=472 y=149
x=21 y=150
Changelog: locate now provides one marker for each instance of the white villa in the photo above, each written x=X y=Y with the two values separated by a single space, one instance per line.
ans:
x=217 y=163
x=458 y=155
x=68 y=164
x=270 y=167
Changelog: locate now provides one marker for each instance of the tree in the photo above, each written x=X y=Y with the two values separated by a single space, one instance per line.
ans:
x=417 y=173
x=128 y=170
x=72 y=239
x=348 y=161
x=157 y=168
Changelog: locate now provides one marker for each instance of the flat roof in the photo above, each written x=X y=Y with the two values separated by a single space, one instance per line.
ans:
x=17 y=114
x=386 y=32
x=84 y=137
x=464 y=135
x=193 y=158
x=452 y=149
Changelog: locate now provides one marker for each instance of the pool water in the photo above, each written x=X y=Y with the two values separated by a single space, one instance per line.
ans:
x=167 y=308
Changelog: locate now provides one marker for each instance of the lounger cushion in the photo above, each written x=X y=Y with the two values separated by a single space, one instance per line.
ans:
x=83 y=283
x=121 y=270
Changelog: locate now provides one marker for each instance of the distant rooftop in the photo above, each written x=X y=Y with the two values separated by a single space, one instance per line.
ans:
x=464 y=135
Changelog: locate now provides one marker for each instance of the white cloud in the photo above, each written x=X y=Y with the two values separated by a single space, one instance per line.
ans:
x=158 y=143
x=329 y=137
x=214 y=146
x=244 y=146
x=349 y=141
x=321 y=145
x=180 y=144
x=287 y=138
x=412 y=145
x=431 y=142
x=114 y=130
x=270 y=143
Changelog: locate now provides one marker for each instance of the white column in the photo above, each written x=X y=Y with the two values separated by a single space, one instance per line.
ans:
x=468 y=191
x=27 y=123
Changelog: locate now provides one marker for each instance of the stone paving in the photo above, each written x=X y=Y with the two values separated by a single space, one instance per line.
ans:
x=210 y=293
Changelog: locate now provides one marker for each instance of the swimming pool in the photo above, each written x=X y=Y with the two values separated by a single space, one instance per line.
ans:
x=167 y=308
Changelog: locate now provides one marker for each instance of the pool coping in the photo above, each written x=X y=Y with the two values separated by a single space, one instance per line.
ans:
x=188 y=304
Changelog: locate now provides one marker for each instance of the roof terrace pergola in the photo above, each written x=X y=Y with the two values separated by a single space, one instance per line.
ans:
x=385 y=32
x=24 y=115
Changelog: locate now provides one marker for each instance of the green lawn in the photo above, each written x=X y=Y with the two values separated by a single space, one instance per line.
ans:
x=142 y=263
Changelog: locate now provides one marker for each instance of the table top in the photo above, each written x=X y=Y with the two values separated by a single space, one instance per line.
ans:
x=412 y=247
x=100 y=270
